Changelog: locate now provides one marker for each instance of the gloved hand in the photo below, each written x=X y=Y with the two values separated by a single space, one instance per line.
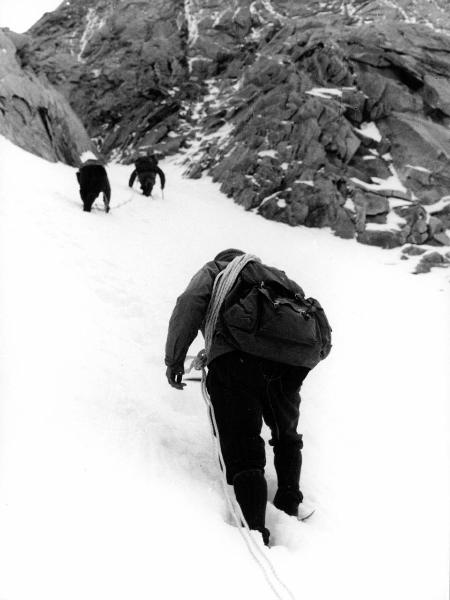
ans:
x=174 y=376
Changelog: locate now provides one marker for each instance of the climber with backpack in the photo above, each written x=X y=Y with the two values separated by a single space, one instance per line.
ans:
x=146 y=169
x=93 y=180
x=262 y=337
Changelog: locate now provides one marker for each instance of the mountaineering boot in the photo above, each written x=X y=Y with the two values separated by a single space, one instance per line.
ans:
x=288 y=500
x=288 y=464
x=250 y=488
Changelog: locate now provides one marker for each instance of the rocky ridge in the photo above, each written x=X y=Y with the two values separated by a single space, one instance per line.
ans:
x=328 y=114
x=121 y=64
x=33 y=115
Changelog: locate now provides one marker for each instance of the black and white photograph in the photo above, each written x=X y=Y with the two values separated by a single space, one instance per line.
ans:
x=224 y=300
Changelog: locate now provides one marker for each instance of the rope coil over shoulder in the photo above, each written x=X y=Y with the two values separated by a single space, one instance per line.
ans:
x=222 y=285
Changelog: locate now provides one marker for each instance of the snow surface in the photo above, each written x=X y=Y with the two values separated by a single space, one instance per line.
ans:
x=324 y=92
x=94 y=22
x=439 y=205
x=270 y=153
x=393 y=223
x=108 y=485
x=370 y=130
x=390 y=183
x=416 y=168
x=190 y=13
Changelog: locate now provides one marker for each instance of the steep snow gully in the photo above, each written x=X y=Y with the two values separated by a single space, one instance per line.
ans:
x=109 y=488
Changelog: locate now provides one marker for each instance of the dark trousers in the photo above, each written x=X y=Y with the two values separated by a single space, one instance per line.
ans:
x=244 y=391
x=147 y=181
x=93 y=180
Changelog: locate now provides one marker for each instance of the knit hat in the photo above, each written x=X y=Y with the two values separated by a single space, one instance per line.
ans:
x=229 y=254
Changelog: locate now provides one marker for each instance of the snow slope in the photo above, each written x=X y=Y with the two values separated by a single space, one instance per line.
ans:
x=108 y=485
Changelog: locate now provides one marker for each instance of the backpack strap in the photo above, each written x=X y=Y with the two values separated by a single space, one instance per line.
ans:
x=315 y=308
x=223 y=283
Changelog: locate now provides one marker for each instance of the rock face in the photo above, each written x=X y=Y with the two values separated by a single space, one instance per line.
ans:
x=320 y=113
x=33 y=115
x=122 y=65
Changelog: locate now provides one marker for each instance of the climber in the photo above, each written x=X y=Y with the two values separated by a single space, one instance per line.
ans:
x=93 y=180
x=146 y=169
x=251 y=377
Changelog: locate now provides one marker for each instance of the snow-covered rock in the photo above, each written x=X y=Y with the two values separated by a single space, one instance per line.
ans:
x=33 y=114
x=265 y=94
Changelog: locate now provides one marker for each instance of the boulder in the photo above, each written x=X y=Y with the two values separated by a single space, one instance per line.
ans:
x=437 y=231
x=430 y=260
x=437 y=93
x=248 y=198
x=344 y=223
x=33 y=115
x=383 y=238
x=367 y=167
x=443 y=215
x=413 y=250
x=416 y=218
x=355 y=105
x=373 y=204
x=385 y=96
x=419 y=142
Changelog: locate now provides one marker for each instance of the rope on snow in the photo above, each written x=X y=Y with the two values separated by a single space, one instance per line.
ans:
x=130 y=198
x=279 y=588
x=102 y=209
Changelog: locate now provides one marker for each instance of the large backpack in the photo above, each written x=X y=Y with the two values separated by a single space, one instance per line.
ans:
x=268 y=315
x=145 y=164
x=92 y=176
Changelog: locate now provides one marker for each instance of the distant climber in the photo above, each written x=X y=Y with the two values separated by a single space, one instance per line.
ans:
x=93 y=180
x=146 y=169
x=262 y=337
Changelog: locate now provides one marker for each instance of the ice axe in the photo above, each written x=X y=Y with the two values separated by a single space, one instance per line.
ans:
x=196 y=363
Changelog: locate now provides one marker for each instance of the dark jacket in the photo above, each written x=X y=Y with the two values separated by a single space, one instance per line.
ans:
x=149 y=173
x=93 y=179
x=188 y=316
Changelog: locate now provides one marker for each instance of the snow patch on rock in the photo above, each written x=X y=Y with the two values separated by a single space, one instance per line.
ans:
x=94 y=23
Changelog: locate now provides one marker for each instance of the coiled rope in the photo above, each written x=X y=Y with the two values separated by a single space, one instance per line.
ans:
x=222 y=285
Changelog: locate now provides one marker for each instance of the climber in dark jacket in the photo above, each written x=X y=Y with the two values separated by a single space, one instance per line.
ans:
x=146 y=169
x=245 y=390
x=93 y=180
